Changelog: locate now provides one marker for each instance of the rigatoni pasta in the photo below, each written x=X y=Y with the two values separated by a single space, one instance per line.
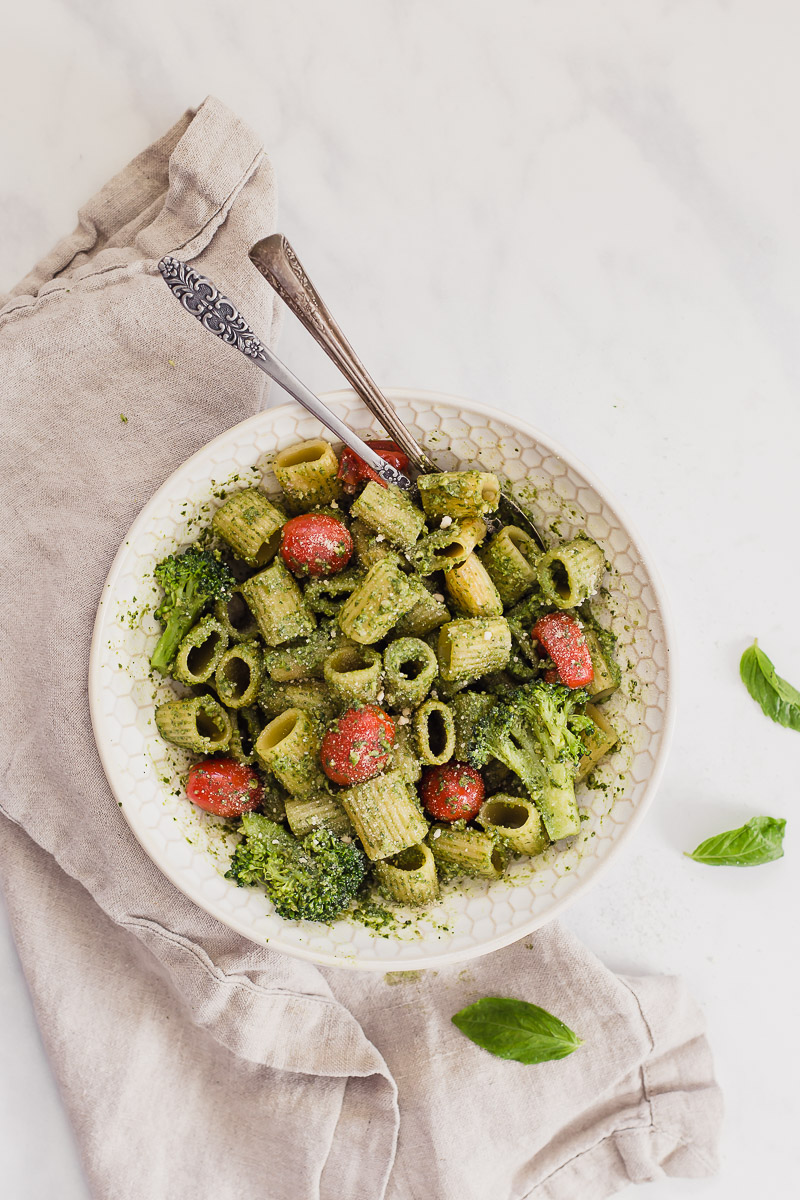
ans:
x=459 y=494
x=390 y=513
x=307 y=474
x=410 y=876
x=198 y=723
x=510 y=558
x=516 y=821
x=250 y=524
x=353 y=674
x=422 y=633
x=467 y=851
x=277 y=604
x=289 y=748
x=238 y=675
x=200 y=652
x=473 y=647
x=386 y=814
x=471 y=589
x=384 y=594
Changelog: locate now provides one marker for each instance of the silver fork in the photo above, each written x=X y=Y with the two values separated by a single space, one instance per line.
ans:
x=282 y=269
x=216 y=313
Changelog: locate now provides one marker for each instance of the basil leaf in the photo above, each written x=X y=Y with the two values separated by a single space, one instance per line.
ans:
x=759 y=841
x=778 y=699
x=516 y=1029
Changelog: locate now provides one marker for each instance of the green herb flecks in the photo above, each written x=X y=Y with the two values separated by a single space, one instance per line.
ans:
x=123 y=418
x=516 y=1029
x=759 y=841
x=778 y=699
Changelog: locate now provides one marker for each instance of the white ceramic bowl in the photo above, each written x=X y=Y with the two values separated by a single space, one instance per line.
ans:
x=192 y=849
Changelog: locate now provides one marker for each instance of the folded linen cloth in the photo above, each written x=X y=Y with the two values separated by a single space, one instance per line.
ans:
x=194 y=1063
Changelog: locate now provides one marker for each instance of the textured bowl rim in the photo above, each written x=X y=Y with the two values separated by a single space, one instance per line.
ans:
x=423 y=962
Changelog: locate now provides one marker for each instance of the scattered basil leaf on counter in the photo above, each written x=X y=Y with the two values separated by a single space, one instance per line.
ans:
x=778 y=699
x=759 y=841
x=516 y=1029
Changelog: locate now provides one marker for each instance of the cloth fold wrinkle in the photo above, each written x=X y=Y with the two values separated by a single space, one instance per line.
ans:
x=154 y=1014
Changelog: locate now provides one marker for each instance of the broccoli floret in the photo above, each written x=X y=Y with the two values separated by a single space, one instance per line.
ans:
x=190 y=581
x=535 y=732
x=501 y=734
x=308 y=879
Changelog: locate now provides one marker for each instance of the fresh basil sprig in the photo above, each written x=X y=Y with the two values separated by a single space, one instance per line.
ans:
x=759 y=841
x=515 y=1029
x=778 y=699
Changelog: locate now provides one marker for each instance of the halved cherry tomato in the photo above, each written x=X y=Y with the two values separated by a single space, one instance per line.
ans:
x=315 y=544
x=353 y=470
x=562 y=638
x=223 y=786
x=453 y=792
x=358 y=745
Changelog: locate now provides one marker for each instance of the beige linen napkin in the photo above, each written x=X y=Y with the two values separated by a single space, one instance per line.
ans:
x=194 y=1063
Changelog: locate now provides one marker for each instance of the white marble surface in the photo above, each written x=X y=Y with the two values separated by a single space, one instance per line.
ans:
x=587 y=214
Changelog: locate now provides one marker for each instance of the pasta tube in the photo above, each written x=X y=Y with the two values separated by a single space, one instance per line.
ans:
x=467 y=852
x=380 y=599
x=606 y=669
x=200 y=652
x=277 y=605
x=435 y=732
x=410 y=668
x=459 y=493
x=304 y=660
x=307 y=473
x=353 y=674
x=368 y=549
x=448 y=547
x=238 y=675
x=305 y=814
x=428 y=614
x=388 y=511
x=289 y=747
x=199 y=724
x=472 y=647
x=327 y=595
x=570 y=573
x=235 y=617
x=516 y=821
x=598 y=742
x=410 y=876
x=404 y=754
x=251 y=525
x=471 y=589
x=386 y=815
x=309 y=694
x=246 y=725
x=510 y=557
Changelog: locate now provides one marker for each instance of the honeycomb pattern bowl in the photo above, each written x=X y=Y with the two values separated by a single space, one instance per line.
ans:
x=193 y=849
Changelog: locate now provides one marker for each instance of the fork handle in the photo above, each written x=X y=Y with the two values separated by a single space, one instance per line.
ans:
x=282 y=269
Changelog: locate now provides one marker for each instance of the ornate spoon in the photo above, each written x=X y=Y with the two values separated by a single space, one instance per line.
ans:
x=280 y=266
x=216 y=313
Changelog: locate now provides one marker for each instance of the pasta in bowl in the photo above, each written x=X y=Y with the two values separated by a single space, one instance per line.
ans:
x=410 y=697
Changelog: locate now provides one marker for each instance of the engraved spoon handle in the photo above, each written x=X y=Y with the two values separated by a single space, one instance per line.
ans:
x=218 y=315
x=280 y=266
x=282 y=269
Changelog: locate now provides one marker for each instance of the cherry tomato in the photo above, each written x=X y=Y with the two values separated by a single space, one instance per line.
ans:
x=452 y=792
x=358 y=745
x=353 y=470
x=562 y=638
x=223 y=786
x=315 y=544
